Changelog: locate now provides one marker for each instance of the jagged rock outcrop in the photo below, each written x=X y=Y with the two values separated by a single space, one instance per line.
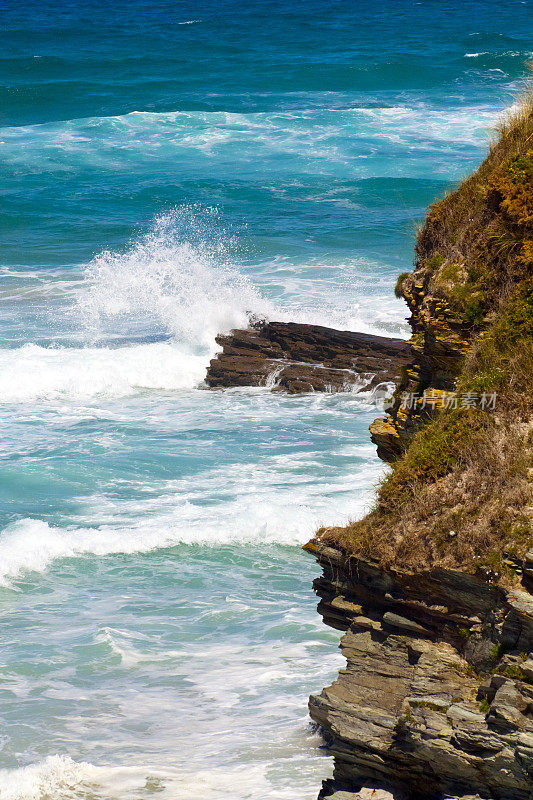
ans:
x=471 y=282
x=436 y=700
x=295 y=358
x=438 y=346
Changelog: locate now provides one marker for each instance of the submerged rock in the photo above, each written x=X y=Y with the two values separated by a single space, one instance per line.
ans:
x=295 y=358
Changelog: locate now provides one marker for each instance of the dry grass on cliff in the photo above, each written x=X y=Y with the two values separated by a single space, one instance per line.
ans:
x=477 y=243
x=461 y=495
x=475 y=515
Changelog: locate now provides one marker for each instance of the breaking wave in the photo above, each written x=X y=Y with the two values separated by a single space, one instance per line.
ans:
x=176 y=280
x=174 y=285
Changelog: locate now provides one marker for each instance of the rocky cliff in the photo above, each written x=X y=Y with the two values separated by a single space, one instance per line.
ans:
x=432 y=588
x=436 y=700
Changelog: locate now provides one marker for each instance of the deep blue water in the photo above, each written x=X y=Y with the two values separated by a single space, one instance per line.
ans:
x=167 y=169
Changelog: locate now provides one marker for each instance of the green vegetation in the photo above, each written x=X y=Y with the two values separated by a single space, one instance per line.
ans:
x=432 y=706
x=514 y=671
x=466 y=471
x=398 y=287
x=435 y=449
x=497 y=652
x=484 y=705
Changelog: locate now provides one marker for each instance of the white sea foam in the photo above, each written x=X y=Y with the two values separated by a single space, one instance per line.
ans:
x=325 y=134
x=62 y=778
x=175 y=282
x=266 y=503
x=32 y=545
x=57 y=776
x=32 y=373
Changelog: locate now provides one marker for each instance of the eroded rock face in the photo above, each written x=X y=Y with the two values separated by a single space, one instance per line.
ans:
x=297 y=358
x=436 y=700
x=438 y=346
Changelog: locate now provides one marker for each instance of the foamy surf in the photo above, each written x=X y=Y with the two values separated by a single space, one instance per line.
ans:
x=31 y=545
x=104 y=139
x=259 y=515
x=55 y=774
x=32 y=373
x=59 y=777
x=177 y=279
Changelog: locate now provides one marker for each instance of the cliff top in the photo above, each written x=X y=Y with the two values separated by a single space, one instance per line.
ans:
x=460 y=435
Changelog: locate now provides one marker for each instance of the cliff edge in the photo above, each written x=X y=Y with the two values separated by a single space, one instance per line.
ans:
x=433 y=586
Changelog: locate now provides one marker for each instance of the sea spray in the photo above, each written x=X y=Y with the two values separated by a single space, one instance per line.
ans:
x=175 y=284
x=176 y=280
x=164 y=622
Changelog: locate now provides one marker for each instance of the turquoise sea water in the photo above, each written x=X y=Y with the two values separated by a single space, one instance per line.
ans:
x=169 y=168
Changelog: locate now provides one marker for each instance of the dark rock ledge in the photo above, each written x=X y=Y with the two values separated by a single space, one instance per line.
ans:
x=436 y=700
x=296 y=358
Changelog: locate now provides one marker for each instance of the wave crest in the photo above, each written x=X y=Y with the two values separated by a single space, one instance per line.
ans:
x=176 y=280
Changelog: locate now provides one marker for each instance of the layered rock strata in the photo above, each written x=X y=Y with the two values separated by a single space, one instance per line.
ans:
x=438 y=346
x=296 y=358
x=436 y=700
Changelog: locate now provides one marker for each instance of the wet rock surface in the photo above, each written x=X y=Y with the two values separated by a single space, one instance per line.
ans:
x=332 y=791
x=296 y=358
x=436 y=701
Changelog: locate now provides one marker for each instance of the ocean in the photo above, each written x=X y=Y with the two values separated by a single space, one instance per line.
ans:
x=168 y=170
